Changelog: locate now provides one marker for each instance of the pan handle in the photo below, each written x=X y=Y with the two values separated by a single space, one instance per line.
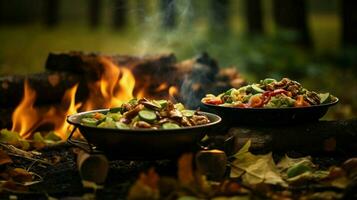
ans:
x=86 y=146
x=225 y=143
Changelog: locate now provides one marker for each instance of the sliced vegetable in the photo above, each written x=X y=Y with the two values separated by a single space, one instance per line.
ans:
x=99 y=116
x=257 y=89
x=324 y=97
x=297 y=170
x=162 y=103
x=147 y=115
x=114 y=116
x=268 y=81
x=256 y=101
x=288 y=93
x=229 y=92
x=170 y=125
x=115 y=110
x=121 y=125
x=179 y=106
x=89 y=121
x=188 y=113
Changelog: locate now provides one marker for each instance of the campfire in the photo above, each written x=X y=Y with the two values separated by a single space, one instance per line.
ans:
x=36 y=107
x=94 y=81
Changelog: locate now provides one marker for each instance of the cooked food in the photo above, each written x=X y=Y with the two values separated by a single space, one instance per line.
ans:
x=149 y=114
x=269 y=93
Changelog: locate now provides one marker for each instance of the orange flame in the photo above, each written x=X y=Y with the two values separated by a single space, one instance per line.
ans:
x=61 y=127
x=26 y=118
x=162 y=87
x=173 y=92
x=115 y=86
x=22 y=118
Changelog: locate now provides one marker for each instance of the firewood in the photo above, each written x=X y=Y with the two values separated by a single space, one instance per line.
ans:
x=90 y=63
x=49 y=87
x=324 y=137
x=92 y=167
x=195 y=77
x=153 y=68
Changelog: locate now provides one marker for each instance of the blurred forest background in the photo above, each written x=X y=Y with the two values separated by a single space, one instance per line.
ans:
x=312 y=41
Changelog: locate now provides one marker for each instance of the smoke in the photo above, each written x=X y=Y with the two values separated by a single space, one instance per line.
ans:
x=179 y=27
x=168 y=27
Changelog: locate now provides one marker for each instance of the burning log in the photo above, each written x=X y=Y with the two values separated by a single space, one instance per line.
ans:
x=106 y=80
x=49 y=86
x=315 y=138
x=195 y=77
x=90 y=64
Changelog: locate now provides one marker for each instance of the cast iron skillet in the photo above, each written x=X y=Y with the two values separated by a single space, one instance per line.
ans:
x=269 y=116
x=139 y=144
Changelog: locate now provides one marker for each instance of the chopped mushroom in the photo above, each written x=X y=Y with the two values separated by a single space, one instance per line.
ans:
x=147 y=114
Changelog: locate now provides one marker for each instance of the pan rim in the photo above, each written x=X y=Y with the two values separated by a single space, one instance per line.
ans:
x=73 y=120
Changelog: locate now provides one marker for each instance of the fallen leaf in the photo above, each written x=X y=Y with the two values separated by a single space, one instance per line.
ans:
x=12 y=186
x=308 y=177
x=51 y=136
x=10 y=137
x=38 y=142
x=20 y=175
x=255 y=169
x=4 y=158
x=350 y=166
x=236 y=171
x=188 y=198
x=287 y=162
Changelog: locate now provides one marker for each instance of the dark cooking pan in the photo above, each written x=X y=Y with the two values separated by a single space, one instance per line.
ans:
x=141 y=143
x=269 y=116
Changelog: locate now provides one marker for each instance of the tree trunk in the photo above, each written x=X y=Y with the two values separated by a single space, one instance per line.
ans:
x=291 y=15
x=219 y=16
x=254 y=16
x=349 y=22
x=17 y=12
x=168 y=14
x=141 y=8
x=51 y=10
x=120 y=14
x=95 y=7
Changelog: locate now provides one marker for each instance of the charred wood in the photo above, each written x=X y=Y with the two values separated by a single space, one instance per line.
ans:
x=49 y=87
x=193 y=77
x=90 y=64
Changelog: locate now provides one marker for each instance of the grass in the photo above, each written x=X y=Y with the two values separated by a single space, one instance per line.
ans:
x=24 y=49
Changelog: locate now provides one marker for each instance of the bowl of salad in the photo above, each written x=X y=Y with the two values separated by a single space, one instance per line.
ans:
x=270 y=102
x=144 y=129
